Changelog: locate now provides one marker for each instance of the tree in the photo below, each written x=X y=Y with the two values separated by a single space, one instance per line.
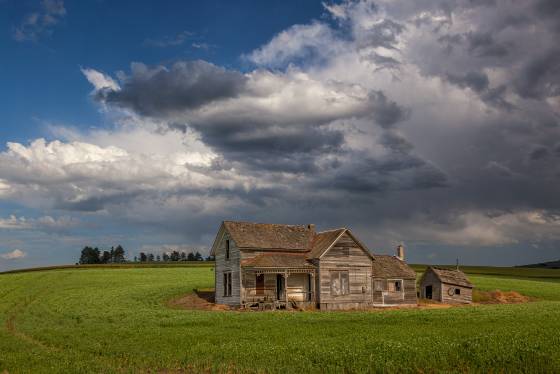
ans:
x=191 y=257
x=165 y=257
x=118 y=254
x=175 y=256
x=183 y=256
x=210 y=258
x=105 y=257
x=143 y=257
x=151 y=257
x=89 y=256
x=198 y=256
x=158 y=258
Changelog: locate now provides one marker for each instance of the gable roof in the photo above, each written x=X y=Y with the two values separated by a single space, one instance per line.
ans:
x=451 y=276
x=284 y=260
x=385 y=266
x=269 y=236
x=323 y=241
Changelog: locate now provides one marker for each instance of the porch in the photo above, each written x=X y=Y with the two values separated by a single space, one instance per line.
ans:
x=278 y=288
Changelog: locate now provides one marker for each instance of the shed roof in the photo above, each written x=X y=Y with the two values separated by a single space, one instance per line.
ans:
x=283 y=260
x=270 y=236
x=451 y=276
x=385 y=266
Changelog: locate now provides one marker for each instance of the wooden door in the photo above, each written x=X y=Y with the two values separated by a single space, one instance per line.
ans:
x=260 y=284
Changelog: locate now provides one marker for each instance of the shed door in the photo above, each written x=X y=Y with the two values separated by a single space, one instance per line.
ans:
x=428 y=292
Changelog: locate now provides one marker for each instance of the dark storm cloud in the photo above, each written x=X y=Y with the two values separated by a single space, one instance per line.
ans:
x=386 y=112
x=540 y=77
x=538 y=153
x=484 y=45
x=186 y=85
x=474 y=80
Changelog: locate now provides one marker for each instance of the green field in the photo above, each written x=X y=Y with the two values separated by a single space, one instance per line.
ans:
x=116 y=320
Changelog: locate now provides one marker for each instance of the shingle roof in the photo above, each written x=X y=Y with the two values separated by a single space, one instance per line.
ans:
x=451 y=276
x=284 y=260
x=390 y=266
x=269 y=236
x=322 y=241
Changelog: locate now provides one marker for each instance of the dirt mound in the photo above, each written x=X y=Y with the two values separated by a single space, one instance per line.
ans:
x=500 y=297
x=197 y=300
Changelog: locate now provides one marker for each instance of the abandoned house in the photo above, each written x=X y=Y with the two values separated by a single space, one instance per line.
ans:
x=449 y=286
x=284 y=266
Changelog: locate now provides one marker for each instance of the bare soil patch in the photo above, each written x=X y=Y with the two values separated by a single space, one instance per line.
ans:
x=499 y=297
x=197 y=300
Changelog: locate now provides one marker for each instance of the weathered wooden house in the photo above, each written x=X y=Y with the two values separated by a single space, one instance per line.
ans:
x=282 y=266
x=449 y=286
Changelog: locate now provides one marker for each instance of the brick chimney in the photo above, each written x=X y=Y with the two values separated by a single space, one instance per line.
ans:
x=400 y=252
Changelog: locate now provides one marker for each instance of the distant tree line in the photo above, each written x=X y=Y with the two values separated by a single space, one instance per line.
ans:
x=91 y=255
x=173 y=256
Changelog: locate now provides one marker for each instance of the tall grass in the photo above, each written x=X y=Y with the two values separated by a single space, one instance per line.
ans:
x=104 y=320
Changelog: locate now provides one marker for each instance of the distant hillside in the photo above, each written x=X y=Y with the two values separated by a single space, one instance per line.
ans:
x=546 y=265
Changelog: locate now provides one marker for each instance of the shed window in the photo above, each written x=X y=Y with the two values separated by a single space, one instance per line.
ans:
x=394 y=285
x=457 y=291
x=340 y=284
x=227 y=249
x=227 y=284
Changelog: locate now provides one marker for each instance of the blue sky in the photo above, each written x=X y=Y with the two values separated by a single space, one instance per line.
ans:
x=146 y=123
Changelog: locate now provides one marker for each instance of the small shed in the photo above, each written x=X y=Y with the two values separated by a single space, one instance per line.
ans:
x=449 y=286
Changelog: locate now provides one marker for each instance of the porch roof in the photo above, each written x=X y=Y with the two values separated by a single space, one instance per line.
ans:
x=278 y=260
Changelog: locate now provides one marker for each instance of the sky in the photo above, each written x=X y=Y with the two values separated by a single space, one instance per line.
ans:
x=431 y=123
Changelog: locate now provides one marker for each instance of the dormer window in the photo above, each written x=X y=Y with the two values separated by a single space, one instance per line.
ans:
x=227 y=249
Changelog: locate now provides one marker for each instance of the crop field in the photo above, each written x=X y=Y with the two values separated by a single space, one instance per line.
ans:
x=117 y=320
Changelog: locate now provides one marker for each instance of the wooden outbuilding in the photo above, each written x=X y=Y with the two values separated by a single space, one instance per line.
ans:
x=394 y=282
x=450 y=286
x=276 y=266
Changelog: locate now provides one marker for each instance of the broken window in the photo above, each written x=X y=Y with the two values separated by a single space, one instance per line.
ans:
x=340 y=284
x=394 y=285
x=227 y=249
x=227 y=284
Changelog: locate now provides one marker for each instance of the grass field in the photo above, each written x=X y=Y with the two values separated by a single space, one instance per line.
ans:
x=116 y=320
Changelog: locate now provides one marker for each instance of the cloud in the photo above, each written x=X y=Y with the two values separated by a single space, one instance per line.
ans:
x=41 y=22
x=13 y=255
x=186 y=85
x=99 y=80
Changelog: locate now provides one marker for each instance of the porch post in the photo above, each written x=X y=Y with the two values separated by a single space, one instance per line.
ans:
x=312 y=290
x=286 y=289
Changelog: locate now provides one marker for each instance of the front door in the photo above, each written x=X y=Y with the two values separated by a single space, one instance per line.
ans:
x=260 y=284
x=428 y=292
x=280 y=287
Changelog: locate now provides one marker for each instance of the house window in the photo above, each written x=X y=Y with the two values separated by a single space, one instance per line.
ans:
x=394 y=285
x=227 y=249
x=227 y=284
x=340 y=284
x=378 y=285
